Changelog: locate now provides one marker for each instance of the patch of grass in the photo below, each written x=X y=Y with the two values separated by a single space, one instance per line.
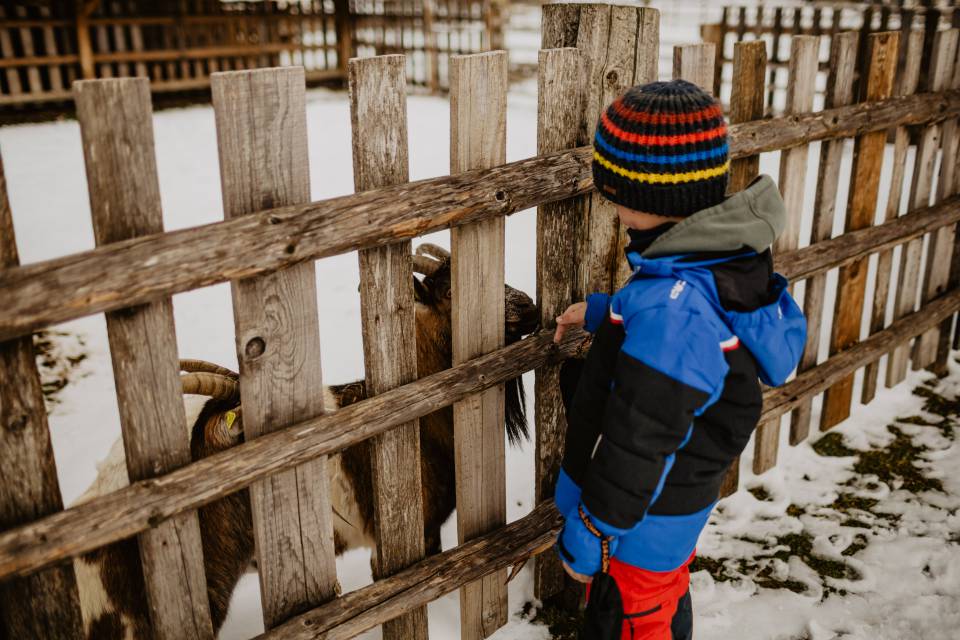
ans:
x=562 y=622
x=831 y=445
x=859 y=543
x=761 y=494
x=801 y=546
x=847 y=501
x=714 y=566
x=853 y=522
x=795 y=511
x=896 y=462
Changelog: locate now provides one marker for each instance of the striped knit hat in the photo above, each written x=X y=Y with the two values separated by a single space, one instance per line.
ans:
x=662 y=148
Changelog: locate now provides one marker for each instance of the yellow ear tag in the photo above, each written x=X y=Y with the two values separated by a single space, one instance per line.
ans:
x=230 y=417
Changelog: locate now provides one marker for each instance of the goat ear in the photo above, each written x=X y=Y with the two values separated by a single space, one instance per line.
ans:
x=421 y=293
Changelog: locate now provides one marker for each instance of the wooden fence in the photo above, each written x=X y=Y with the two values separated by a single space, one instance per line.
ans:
x=594 y=52
x=777 y=23
x=178 y=44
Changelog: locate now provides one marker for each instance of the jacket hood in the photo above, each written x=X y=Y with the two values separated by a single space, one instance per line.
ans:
x=752 y=218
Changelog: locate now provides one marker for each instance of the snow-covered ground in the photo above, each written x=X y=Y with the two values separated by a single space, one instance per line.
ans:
x=909 y=570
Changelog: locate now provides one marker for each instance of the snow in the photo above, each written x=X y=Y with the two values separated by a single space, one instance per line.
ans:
x=911 y=573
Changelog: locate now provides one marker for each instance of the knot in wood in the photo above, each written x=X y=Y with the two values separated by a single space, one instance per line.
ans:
x=500 y=195
x=18 y=423
x=613 y=76
x=255 y=347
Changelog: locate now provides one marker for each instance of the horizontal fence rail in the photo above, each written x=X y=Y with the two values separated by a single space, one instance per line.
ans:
x=143 y=269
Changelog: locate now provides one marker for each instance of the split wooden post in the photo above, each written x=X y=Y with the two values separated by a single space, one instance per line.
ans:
x=378 y=115
x=801 y=85
x=940 y=249
x=619 y=46
x=559 y=99
x=116 y=125
x=478 y=140
x=921 y=189
x=861 y=210
x=45 y=604
x=746 y=104
x=695 y=63
x=906 y=85
x=262 y=140
x=843 y=61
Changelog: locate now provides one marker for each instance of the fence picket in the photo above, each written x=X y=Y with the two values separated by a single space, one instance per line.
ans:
x=746 y=104
x=940 y=249
x=378 y=107
x=906 y=85
x=262 y=141
x=45 y=604
x=695 y=62
x=478 y=113
x=116 y=125
x=839 y=92
x=801 y=83
x=559 y=103
x=921 y=189
x=861 y=212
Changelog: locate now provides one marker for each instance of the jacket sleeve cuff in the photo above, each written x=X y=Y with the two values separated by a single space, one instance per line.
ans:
x=567 y=494
x=597 y=305
x=606 y=529
x=580 y=548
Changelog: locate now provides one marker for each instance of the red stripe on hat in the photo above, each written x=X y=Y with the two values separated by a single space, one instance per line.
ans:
x=696 y=136
x=625 y=112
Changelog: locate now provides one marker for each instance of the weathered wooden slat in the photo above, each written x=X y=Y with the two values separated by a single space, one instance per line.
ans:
x=478 y=140
x=801 y=86
x=45 y=604
x=695 y=63
x=144 y=269
x=378 y=108
x=746 y=104
x=14 y=85
x=26 y=44
x=940 y=248
x=861 y=211
x=558 y=120
x=262 y=141
x=116 y=126
x=906 y=85
x=50 y=47
x=843 y=54
x=909 y=281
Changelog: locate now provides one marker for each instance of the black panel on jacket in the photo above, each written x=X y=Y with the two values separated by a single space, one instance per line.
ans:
x=745 y=284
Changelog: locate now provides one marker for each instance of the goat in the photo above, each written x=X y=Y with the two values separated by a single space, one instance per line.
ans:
x=110 y=579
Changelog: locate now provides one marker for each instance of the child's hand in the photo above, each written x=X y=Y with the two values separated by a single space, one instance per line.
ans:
x=572 y=317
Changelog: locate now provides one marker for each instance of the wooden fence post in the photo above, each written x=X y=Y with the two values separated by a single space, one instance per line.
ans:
x=478 y=113
x=713 y=34
x=843 y=60
x=619 y=46
x=45 y=604
x=861 y=211
x=921 y=188
x=906 y=85
x=262 y=140
x=940 y=249
x=746 y=104
x=344 y=28
x=695 y=62
x=116 y=125
x=801 y=85
x=378 y=110
x=559 y=104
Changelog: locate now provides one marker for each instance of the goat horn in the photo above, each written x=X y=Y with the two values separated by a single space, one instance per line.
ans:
x=215 y=385
x=424 y=265
x=193 y=366
x=430 y=249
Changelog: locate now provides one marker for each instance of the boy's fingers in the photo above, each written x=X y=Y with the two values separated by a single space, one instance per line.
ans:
x=558 y=334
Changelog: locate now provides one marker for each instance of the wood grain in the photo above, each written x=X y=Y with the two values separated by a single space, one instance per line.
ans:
x=861 y=211
x=801 y=86
x=695 y=63
x=478 y=140
x=559 y=106
x=909 y=283
x=746 y=104
x=378 y=115
x=840 y=81
x=262 y=142
x=906 y=85
x=116 y=126
x=45 y=604
x=144 y=269
x=941 y=247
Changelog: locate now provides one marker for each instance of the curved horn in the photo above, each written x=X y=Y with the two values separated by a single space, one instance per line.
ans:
x=424 y=265
x=430 y=249
x=194 y=366
x=215 y=385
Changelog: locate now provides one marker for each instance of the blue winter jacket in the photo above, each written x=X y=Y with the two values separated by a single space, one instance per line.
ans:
x=669 y=393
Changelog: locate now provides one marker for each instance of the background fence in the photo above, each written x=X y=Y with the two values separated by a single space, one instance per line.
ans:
x=885 y=252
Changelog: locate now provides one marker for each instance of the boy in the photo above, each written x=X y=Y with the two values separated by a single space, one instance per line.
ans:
x=669 y=394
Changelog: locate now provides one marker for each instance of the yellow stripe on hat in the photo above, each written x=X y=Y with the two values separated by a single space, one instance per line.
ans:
x=663 y=178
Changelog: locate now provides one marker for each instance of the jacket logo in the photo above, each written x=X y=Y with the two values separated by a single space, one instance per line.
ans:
x=677 y=289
